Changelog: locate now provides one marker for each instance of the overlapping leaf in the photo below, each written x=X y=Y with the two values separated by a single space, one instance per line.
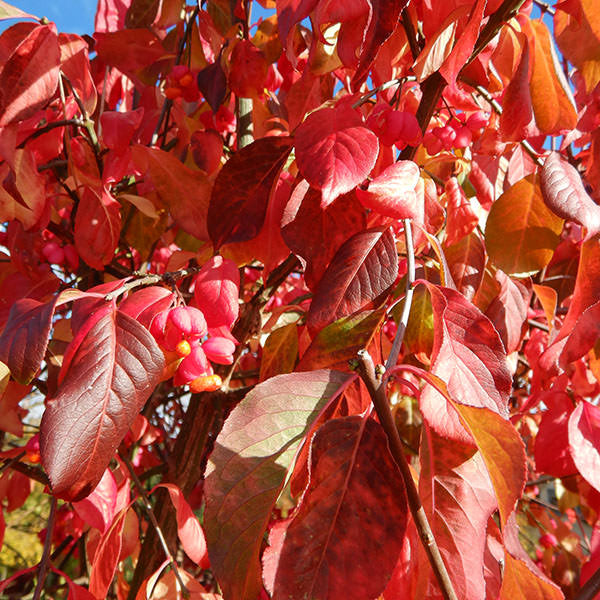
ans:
x=359 y=275
x=469 y=357
x=239 y=199
x=108 y=373
x=248 y=467
x=335 y=151
x=354 y=506
x=315 y=232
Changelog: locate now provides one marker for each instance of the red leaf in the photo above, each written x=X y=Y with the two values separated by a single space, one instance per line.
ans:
x=185 y=192
x=76 y=592
x=129 y=50
x=25 y=338
x=355 y=505
x=517 y=121
x=188 y=527
x=457 y=494
x=362 y=271
x=466 y=262
x=335 y=151
x=248 y=71
x=239 y=200
x=98 y=509
x=583 y=336
x=469 y=356
x=106 y=557
x=109 y=370
x=564 y=194
x=395 y=193
x=552 y=454
x=315 y=232
x=248 y=468
x=508 y=311
x=216 y=291
x=29 y=77
x=290 y=12
x=25 y=197
x=521 y=583
x=110 y=15
x=383 y=21
x=463 y=47
x=144 y=304
x=584 y=441
x=97 y=227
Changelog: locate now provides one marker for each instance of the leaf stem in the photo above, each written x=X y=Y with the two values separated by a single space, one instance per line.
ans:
x=376 y=388
x=410 y=279
x=43 y=567
x=150 y=512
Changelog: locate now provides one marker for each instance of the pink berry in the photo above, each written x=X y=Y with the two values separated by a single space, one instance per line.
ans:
x=53 y=253
x=477 y=120
x=219 y=350
x=463 y=137
x=193 y=365
x=548 y=540
x=432 y=143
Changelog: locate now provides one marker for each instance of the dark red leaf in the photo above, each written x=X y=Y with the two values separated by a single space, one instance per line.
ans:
x=335 y=151
x=248 y=468
x=25 y=338
x=362 y=271
x=109 y=370
x=354 y=506
x=384 y=19
x=239 y=199
x=564 y=194
x=29 y=77
x=142 y=13
x=469 y=356
x=315 y=232
x=212 y=83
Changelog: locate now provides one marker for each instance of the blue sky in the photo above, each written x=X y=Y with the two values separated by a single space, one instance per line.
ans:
x=71 y=17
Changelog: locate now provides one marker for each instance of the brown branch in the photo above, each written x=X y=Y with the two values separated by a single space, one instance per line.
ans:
x=411 y=35
x=43 y=566
x=376 y=388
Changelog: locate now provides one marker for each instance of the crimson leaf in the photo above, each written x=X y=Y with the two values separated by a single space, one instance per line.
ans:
x=355 y=505
x=109 y=371
x=362 y=270
x=239 y=200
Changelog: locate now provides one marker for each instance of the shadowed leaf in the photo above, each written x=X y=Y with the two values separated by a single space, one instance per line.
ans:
x=109 y=370
x=248 y=467
x=354 y=506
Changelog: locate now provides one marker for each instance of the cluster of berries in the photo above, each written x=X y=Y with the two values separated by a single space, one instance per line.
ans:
x=183 y=333
x=57 y=253
x=181 y=83
x=458 y=133
x=394 y=127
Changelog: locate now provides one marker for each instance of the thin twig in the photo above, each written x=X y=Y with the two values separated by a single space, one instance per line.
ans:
x=376 y=388
x=408 y=296
x=149 y=510
x=43 y=567
x=380 y=88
